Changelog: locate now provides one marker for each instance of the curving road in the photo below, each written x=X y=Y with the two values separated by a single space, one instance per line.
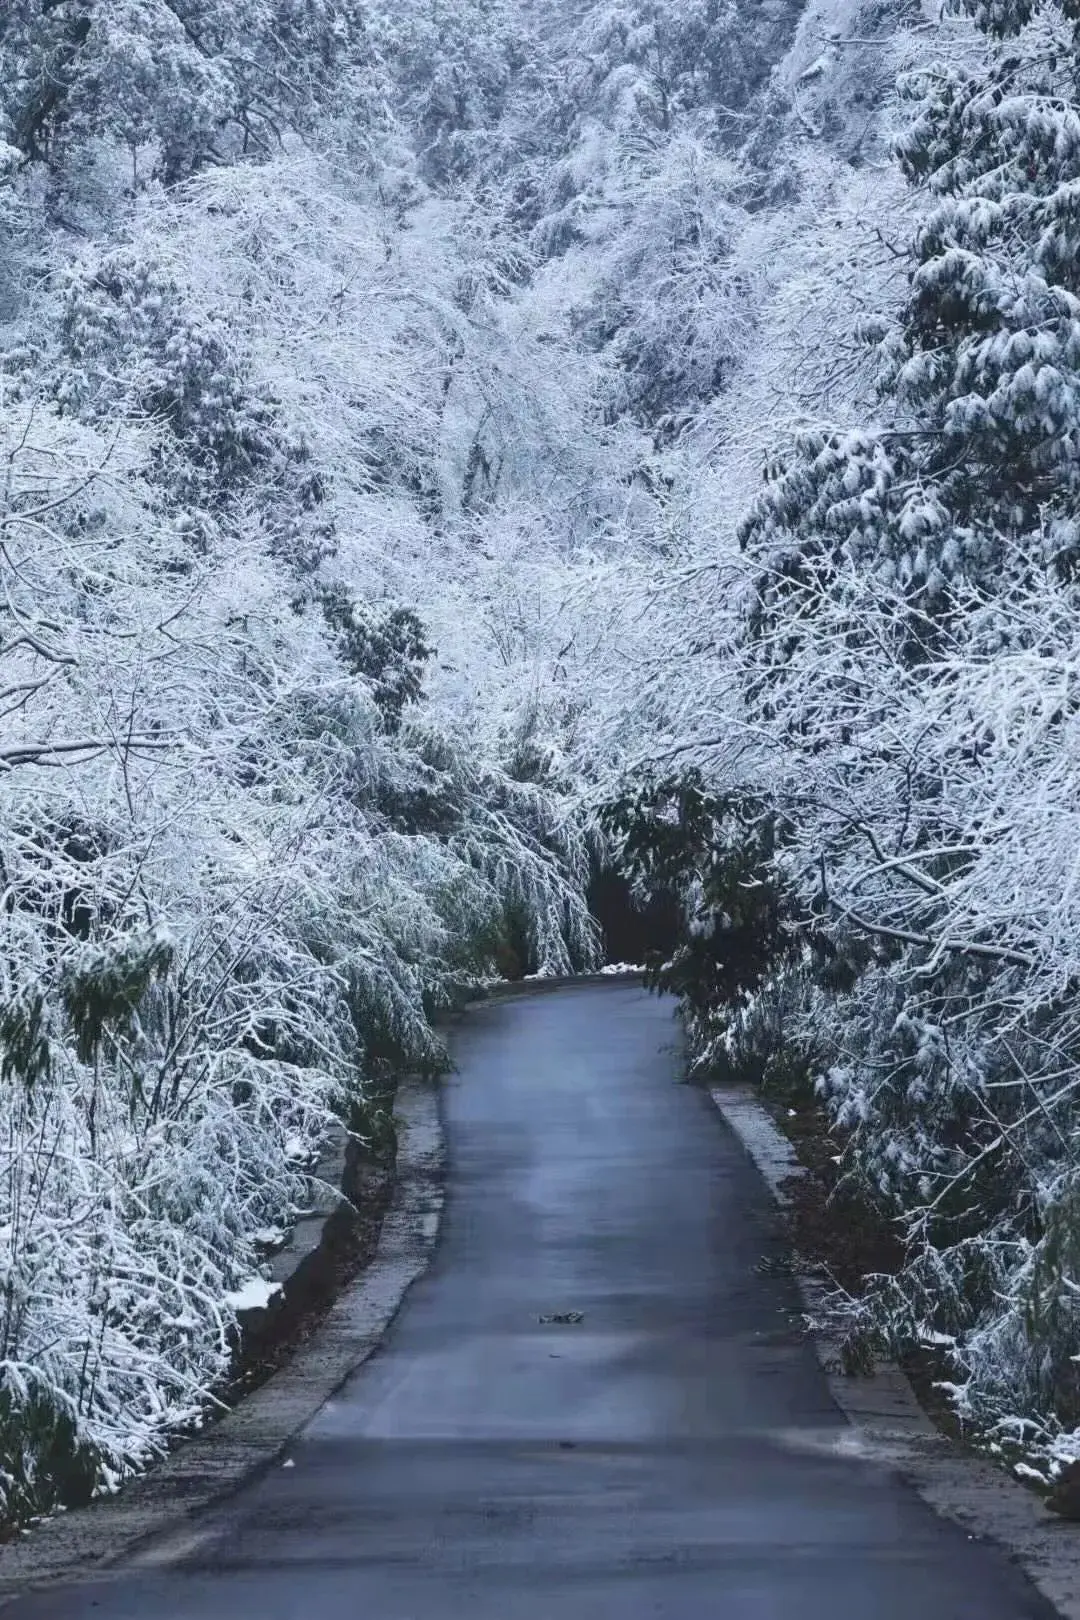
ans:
x=668 y=1455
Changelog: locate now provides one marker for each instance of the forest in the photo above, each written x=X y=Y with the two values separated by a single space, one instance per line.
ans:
x=452 y=448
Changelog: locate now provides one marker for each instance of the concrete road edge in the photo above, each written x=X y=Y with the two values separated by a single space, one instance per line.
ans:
x=888 y=1423
x=154 y=1519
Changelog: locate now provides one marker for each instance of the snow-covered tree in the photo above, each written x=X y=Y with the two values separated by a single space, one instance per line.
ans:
x=180 y=82
x=263 y=811
x=897 y=684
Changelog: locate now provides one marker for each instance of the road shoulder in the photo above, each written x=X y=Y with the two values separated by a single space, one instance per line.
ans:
x=154 y=1518
x=888 y=1423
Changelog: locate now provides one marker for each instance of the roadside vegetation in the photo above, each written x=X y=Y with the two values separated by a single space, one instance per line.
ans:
x=866 y=795
x=247 y=853
x=454 y=455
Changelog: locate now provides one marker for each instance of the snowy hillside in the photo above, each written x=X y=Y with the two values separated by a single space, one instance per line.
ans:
x=385 y=399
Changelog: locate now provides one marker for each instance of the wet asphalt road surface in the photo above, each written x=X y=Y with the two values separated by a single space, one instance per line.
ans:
x=669 y=1455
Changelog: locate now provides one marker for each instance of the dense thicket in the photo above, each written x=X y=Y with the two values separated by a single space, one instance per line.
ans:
x=262 y=814
x=385 y=394
x=872 y=712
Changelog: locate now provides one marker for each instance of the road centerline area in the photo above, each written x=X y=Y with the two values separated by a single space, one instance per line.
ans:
x=665 y=1450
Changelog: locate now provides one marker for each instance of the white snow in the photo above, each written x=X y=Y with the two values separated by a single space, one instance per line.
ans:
x=253 y=1295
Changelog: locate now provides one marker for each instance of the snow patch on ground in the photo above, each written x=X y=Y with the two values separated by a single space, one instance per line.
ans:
x=610 y=970
x=253 y=1295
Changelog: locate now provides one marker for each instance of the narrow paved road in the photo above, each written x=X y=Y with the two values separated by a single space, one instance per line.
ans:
x=667 y=1456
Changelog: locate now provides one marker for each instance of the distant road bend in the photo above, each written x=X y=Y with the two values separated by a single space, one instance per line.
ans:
x=667 y=1455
